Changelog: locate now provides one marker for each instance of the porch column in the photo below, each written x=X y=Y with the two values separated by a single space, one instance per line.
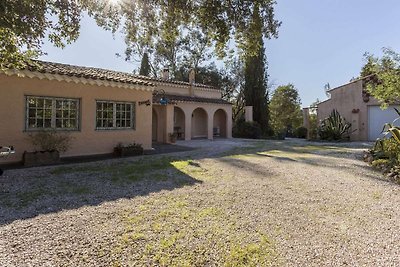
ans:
x=210 y=125
x=169 y=122
x=188 y=125
x=229 y=123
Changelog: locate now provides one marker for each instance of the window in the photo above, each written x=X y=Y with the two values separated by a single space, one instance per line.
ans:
x=114 y=115
x=52 y=113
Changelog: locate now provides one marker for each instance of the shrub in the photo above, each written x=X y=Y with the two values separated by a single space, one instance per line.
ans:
x=313 y=134
x=300 y=132
x=132 y=149
x=250 y=130
x=385 y=154
x=334 y=127
x=50 y=141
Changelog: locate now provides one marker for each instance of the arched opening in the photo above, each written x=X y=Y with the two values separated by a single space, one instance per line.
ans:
x=154 y=126
x=199 y=123
x=219 y=124
x=179 y=123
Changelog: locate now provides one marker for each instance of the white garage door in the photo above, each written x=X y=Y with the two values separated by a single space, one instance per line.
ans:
x=377 y=118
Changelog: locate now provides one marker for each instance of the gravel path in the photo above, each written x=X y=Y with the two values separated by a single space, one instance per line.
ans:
x=227 y=203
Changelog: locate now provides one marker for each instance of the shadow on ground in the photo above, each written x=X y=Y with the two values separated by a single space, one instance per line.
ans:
x=30 y=192
x=27 y=193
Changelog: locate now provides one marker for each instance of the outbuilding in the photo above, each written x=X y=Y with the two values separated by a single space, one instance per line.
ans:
x=356 y=105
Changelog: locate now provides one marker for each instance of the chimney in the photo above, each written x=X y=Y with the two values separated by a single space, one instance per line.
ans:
x=165 y=74
x=192 y=76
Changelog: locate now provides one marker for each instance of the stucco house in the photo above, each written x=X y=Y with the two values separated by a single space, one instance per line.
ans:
x=363 y=111
x=101 y=108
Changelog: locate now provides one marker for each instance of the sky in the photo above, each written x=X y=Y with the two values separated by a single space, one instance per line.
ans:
x=320 y=41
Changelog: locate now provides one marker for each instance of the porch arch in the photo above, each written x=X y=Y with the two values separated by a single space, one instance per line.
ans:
x=179 y=122
x=220 y=123
x=199 y=123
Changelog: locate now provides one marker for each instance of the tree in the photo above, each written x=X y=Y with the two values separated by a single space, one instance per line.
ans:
x=286 y=113
x=255 y=89
x=385 y=83
x=24 y=24
x=145 y=68
x=220 y=21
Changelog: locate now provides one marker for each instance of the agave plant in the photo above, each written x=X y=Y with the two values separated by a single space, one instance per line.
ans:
x=334 y=127
x=390 y=132
x=390 y=129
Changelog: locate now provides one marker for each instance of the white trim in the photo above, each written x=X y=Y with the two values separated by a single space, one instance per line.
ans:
x=66 y=78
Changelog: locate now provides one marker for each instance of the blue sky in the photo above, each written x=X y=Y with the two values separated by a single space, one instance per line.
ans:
x=319 y=42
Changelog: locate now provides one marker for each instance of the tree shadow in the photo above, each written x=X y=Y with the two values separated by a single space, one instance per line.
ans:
x=53 y=189
x=26 y=193
x=315 y=154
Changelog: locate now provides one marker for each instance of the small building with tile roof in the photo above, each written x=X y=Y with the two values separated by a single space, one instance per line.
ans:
x=102 y=108
x=359 y=108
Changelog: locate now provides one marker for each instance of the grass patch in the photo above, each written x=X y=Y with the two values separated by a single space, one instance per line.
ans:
x=254 y=254
x=182 y=233
x=28 y=197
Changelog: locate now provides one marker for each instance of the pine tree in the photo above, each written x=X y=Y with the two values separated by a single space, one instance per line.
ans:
x=145 y=68
x=255 y=89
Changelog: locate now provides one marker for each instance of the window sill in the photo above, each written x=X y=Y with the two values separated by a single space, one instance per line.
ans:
x=113 y=129
x=50 y=129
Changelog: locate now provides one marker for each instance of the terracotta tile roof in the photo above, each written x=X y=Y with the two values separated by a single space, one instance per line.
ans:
x=86 y=72
x=160 y=80
x=182 y=98
x=102 y=74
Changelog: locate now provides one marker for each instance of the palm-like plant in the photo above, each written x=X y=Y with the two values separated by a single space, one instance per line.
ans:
x=334 y=127
x=390 y=132
x=390 y=129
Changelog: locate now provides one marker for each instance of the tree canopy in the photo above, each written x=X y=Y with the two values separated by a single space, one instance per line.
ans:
x=255 y=89
x=385 y=86
x=286 y=113
x=145 y=68
x=24 y=24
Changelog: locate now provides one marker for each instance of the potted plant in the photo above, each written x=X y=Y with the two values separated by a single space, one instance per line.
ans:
x=49 y=145
x=172 y=137
x=129 y=150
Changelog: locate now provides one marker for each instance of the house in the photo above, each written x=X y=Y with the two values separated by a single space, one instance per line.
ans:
x=101 y=108
x=363 y=111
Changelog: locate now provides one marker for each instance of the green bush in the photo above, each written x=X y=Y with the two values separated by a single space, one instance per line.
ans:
x=313 y=135
x=300 y=132
x=50 y=140
x=386 y=151
x=334 y=128
x=244 y=129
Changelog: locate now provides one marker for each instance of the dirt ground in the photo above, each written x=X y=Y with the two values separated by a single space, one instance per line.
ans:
x=226 y=203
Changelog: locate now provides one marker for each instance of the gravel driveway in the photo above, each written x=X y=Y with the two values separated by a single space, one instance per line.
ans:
x=227 y=203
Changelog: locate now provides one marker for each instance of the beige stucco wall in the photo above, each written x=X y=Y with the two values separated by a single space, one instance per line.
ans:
x=344 y=99
x=87 y=140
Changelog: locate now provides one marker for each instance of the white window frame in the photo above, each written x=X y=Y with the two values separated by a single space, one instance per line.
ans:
x=115 y=103
x=53 y=113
